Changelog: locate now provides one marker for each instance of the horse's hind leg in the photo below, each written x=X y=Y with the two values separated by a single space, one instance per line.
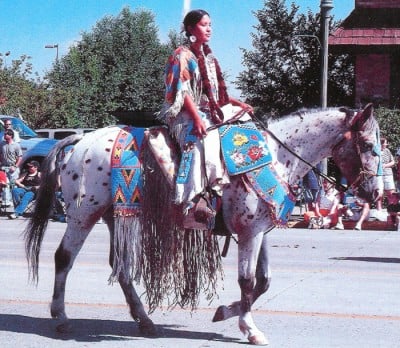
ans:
x=137 y=311
x=65 y=256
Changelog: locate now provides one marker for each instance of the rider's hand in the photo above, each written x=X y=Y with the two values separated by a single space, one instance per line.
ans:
x=199 y=128
x=247 y=107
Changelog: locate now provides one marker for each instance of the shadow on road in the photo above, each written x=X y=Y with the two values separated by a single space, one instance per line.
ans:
x=368 y=259
x=95 y=330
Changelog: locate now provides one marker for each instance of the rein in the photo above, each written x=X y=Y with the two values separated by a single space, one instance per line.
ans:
x=233 y=119
x=314 y=168
x=239 y=114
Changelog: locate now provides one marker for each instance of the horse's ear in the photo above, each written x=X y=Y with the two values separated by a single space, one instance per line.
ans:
x=368 y=111
x=364 y=115
x=349 y=115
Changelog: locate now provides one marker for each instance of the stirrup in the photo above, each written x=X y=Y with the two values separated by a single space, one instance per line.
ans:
x=201 y=216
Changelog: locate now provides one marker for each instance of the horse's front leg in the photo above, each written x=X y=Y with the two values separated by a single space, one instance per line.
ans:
x=254 y=280
x=65 y=256
x=249 y=252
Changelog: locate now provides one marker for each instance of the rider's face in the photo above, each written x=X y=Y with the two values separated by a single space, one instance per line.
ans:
x=202 y=30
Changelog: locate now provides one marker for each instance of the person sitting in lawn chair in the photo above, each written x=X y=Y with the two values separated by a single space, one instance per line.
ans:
x=327 y=209
x=25 y=189
x=393 y=209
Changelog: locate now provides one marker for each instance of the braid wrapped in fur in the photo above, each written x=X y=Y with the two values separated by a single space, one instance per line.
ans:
x=190 y=20
x=223 y=98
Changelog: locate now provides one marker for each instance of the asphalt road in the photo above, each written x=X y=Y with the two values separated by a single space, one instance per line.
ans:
x=329 y=289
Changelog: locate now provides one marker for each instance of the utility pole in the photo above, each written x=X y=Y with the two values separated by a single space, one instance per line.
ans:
x=326 y=7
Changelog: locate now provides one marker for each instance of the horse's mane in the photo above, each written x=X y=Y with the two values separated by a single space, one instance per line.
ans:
x=303 y=112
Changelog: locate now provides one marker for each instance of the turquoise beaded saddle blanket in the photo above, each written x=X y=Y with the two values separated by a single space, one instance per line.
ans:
x=245 y=151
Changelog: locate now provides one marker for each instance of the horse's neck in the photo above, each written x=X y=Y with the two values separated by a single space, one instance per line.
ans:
x=311 y=136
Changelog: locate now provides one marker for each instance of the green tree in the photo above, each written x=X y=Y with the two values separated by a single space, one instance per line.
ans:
x=282 y=72
x=117 y=66
x=20 y=94
x=389 y=124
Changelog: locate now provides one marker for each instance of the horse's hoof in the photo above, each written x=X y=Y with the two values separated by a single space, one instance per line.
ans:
x=147 y=329
x=258 y=340
x=220 y=313
x=64 y=328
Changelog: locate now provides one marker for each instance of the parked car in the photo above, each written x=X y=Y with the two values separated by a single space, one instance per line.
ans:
x=33 y=147
x=61 y=133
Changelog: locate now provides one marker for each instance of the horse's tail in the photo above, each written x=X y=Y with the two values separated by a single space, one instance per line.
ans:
x=45 y=198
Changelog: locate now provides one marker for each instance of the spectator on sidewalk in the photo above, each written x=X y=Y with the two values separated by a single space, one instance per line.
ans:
x=312 y=186
x=327 y=206
x=393 y=210
x=356 y=209
x=388 y=180
x=8 y=125
x=398 y=170
x=25 y=189
x=10 y=159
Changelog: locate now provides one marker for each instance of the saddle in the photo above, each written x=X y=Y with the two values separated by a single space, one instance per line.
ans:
x=245 y=152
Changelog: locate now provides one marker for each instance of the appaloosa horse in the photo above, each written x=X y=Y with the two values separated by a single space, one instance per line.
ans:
x=295 y=141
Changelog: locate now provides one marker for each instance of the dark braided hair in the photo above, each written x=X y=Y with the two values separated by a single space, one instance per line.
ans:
x=191 y=19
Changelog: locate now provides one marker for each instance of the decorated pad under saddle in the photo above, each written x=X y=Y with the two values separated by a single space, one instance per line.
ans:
x=245 y=151
x=126 y=172
x=244 y=148
x=268 y=185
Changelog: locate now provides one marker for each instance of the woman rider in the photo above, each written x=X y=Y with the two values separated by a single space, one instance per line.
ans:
x=196 y=98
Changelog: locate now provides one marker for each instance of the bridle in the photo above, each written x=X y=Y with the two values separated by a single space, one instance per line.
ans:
x=363 y=174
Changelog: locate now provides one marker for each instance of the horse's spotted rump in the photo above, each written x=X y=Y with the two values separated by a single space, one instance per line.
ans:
x=99 y=169
x=88 y=160
x=107 y=149
x=75 y=176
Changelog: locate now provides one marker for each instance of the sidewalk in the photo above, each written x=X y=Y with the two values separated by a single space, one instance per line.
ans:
x=296 y=221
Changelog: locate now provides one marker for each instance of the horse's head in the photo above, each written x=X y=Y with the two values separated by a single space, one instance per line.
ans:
x=357 y=154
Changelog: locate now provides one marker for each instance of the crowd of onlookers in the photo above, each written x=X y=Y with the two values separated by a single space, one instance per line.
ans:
x=328 y=204
x=18 y=187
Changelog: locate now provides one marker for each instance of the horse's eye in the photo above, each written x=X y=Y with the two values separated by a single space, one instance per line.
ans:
x=368 y=146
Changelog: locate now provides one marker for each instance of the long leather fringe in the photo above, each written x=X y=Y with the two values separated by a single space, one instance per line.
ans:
x=126 y=245
x=177 y=264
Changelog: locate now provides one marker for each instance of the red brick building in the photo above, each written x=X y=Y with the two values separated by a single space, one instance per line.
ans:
x=371 y=34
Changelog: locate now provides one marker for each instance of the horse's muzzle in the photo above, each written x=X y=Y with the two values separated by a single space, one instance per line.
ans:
x=370 y=189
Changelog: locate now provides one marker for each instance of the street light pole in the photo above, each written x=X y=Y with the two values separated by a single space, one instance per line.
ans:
x=326 y=7
x=53 y=46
